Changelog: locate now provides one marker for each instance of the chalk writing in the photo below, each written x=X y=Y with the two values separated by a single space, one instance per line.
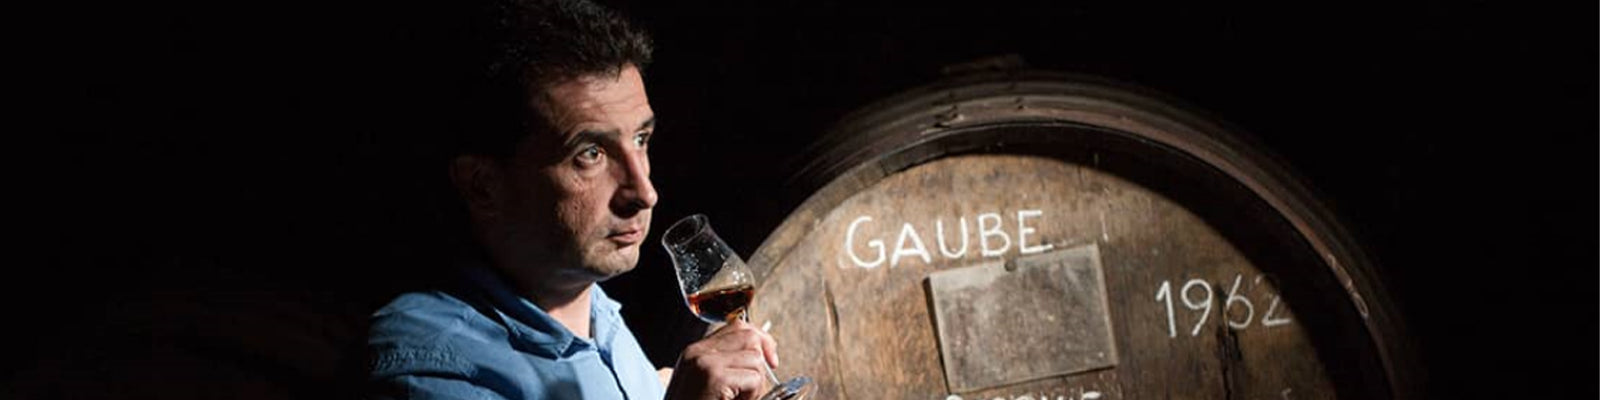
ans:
x=993 y=239
x=1268 y=320
x=1233 y=296
x=1234 y=305
x=1165 y=293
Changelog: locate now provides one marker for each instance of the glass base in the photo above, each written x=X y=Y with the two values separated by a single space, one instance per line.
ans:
x=795 y=389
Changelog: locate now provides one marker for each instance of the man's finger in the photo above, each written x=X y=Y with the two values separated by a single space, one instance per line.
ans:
x=746 y=359
x=769 y=348
x=740 y=383
x=742 y=336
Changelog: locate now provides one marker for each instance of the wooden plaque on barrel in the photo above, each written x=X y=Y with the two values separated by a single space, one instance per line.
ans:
x=1029 y=235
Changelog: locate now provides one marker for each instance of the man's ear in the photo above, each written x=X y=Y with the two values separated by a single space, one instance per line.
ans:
x=477 y=181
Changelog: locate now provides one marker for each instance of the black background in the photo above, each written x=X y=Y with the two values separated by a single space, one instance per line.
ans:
x=223 y=176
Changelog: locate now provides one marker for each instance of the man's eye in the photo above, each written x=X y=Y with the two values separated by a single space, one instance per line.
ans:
x=589 y=154
x=642 y=139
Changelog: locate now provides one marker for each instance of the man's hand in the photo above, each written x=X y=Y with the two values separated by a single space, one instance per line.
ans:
x=726 y=365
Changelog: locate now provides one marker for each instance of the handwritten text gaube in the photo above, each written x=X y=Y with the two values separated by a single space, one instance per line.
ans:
x=991 y=234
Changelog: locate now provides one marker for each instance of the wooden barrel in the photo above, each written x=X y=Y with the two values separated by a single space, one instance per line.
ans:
x=1034 y=235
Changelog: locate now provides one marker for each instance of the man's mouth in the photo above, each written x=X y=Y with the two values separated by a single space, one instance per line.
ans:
x=626 y=236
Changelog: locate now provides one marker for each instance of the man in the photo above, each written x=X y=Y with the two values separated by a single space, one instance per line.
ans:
x=559 y=197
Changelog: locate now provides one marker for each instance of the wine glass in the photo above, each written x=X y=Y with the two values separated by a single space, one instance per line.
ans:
x=718 y=286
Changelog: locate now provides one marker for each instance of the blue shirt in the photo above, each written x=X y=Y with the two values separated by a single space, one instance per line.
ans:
x=479 y=340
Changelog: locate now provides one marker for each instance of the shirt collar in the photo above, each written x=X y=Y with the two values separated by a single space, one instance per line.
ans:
x=536 y=329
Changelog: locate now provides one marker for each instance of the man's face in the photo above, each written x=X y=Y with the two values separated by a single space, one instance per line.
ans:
x=578 y=196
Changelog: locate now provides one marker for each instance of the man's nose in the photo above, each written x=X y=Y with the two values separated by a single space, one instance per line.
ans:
x=636 y=192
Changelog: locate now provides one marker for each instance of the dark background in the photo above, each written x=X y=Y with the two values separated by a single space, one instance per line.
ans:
x=220 y=191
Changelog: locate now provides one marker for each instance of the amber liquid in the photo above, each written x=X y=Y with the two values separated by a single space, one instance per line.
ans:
x=719 y=305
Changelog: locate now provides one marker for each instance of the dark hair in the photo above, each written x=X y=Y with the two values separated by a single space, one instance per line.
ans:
x=524 y=46
x=493 y=55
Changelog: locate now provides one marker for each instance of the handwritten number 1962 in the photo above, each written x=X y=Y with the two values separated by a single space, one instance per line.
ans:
x=1204 y=301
